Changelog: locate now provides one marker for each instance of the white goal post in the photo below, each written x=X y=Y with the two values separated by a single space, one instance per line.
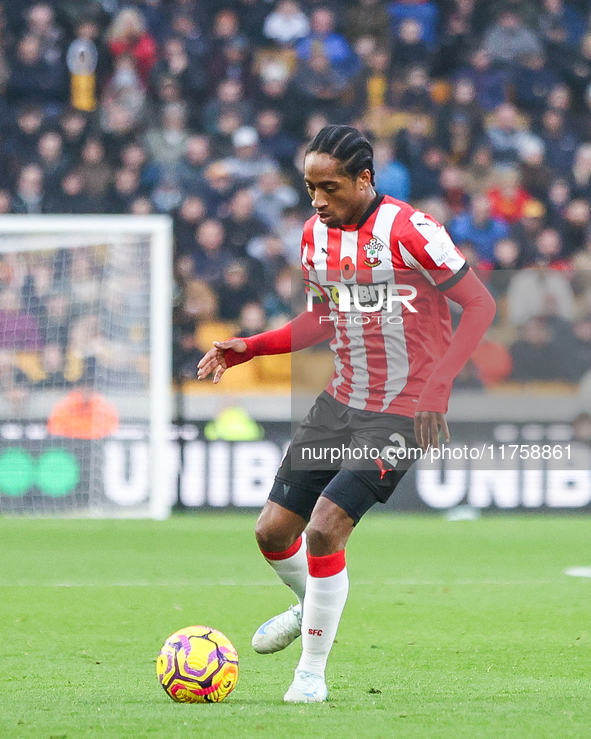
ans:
x=115 y=340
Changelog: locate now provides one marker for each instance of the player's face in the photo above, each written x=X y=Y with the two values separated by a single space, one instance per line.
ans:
x=337 y=198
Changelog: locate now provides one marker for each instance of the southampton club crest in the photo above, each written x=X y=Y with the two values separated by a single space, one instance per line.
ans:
x=372 y=249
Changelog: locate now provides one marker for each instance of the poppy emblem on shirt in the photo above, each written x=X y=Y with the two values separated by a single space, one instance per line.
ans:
x=372 y=250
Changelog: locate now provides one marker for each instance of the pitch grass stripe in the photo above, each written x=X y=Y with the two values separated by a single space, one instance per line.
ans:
x=266 y=584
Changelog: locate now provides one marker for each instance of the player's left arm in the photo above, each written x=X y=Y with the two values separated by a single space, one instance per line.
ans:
x=425 y=245
x=479 y=309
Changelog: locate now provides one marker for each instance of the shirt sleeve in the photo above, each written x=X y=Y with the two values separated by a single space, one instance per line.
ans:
x=425 y=245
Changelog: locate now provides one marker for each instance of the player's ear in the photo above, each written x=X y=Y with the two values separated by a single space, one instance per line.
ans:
x=364 y=179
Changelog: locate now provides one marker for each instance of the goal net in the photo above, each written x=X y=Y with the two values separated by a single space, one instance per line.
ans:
x=85 y=365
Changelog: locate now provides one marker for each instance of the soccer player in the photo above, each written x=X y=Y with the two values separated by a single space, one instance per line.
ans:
x=386 y=271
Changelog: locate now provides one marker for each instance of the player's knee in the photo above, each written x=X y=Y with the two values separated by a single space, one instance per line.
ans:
x=321 y=541
x=328 y=530
x=271 y=537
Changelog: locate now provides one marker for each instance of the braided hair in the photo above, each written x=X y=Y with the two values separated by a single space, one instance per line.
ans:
x=348 y=146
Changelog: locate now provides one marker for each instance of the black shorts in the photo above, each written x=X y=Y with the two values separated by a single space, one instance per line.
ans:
x=354 y=458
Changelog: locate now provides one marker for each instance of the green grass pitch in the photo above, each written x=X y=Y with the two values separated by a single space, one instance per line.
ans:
x=452 y=630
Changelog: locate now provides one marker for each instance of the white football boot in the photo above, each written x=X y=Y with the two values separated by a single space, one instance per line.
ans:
x=306 y=688
x=278 y=632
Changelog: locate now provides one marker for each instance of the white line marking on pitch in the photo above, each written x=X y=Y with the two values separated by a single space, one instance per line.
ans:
x=578 y=571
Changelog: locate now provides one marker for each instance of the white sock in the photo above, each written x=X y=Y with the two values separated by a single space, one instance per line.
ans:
x=326 y=594
x=291 y=566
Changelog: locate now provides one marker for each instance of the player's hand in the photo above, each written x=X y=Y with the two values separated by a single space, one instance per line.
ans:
x=215 y=360
x=427 y=425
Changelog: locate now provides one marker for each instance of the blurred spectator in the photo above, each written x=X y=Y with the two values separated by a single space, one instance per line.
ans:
x=527 y=229
x=423 y=12
x=242 y=224
x=278 y=93
x=548 y=249
x=576 y=226
x=52 y=159
x=210 y=257
x=186 y=24
x=536 y=175
x=228 y=101
x=560 y=23
x=319 y=84
x=252 y=15
x=479 y=227
x=508 y=198
x=368 y=18
x=176 y=64
x=95 y=171
x=416 y=97
x=69 y=197
x=278 y=302
x=191 y=212
x=134 y=157
x=456 y=38
x=453 y=190
x=539 y=291
x=507 y=134
x=506 y=260
x=425 y=175
x=226 y=28
x=409 y=48
x=533 y=81
x=57 y=316
x=323 y=41
x=32 y=80
x=287 y=23
x=232 y=61
x=291 y=235
x=248 y=162
x=271 y=261
x=123 y=103
x=190 y=168
x=489 y=82
x=19 y=331
x=167 y=144
x=20 y=147
x=53 y=365
x=539 y=353
x=560 y=143
x=460 y=122
x=392 y=177
x=252 y=320
x=271 y=197
x=128 y=35
x=509 y=39
x=273 y=141
x=185 y=353
x=29 y=195
x=73 y=128
x=41 y=24
x=234 y=291
x=167 y=195
x=123 y=191
x=414 y=140
x=218 y=186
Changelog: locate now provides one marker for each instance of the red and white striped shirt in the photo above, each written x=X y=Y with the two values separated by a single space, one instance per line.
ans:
x=383 y=359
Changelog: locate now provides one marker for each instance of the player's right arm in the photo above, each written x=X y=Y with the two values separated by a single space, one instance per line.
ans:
x=305 y=330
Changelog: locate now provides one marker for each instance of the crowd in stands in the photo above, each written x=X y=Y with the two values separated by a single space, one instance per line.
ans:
x=73 y=317
x=479 y=111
